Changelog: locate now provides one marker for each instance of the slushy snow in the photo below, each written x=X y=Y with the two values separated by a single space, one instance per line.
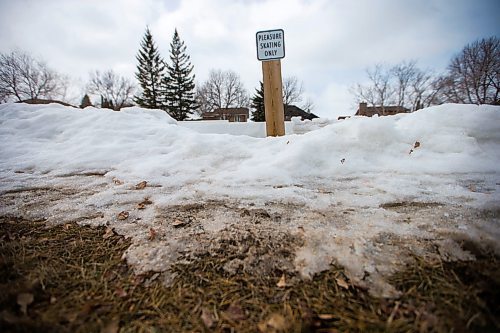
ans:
x=320 y=173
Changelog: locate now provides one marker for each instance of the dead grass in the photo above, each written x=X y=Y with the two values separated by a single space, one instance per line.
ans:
x=80 y=284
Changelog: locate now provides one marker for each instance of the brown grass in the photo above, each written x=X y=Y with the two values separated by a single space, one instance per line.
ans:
x=80 y=284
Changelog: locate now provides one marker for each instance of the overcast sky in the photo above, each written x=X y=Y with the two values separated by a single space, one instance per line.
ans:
x=329 y=43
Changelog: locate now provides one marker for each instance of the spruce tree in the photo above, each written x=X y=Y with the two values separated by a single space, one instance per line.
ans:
x=258 y=104
x=85 y=102
x=150 y=73
x=179 y=82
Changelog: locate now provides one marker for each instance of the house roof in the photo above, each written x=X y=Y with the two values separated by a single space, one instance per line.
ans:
x=295 y=111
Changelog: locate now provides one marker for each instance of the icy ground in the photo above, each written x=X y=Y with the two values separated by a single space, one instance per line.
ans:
x=365 y=193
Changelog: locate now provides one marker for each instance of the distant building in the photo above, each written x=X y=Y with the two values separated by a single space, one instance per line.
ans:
x=241 y=114
x=369 y=111
x=230 y=114
x=295 y=111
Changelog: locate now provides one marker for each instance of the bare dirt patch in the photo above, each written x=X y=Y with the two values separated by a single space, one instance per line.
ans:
x=409 y=205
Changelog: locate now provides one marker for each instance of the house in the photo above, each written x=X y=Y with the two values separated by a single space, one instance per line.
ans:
x=231 y=114
x=369 y=111
x=294 y=111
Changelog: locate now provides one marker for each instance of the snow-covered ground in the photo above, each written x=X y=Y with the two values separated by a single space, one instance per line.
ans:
x=257 y=130
x=366 y=193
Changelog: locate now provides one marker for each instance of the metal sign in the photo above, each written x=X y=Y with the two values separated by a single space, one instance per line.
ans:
x=270 y=44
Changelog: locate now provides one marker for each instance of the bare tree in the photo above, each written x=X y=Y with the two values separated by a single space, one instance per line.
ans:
x=308 y=106
x=24 y=77
x=292 y=90
x=474 y=74
x=223 y=89
x=293 y=94
x=379 y=91
x=403 y=85
x=115 y=91
x=364 y=93
x=424 y=90
x=404 y=74
x=202 y=99
x=415 y=88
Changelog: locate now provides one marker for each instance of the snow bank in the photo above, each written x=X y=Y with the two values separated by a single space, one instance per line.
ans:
x=303 y=126
x=253 y=129
x=147 y=144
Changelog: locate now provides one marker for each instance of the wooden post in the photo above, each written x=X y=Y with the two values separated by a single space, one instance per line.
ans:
x=273 y=98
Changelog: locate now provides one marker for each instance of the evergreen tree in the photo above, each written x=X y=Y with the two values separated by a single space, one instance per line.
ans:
x=150 y=73
x=179 y=82
x=258 y=104
x=85 y=102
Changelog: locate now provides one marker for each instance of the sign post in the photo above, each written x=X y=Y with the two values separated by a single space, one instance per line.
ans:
x=270 y=49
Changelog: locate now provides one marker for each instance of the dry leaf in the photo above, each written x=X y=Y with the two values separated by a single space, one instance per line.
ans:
x=141 y=185
x=207 y=317
x=275 y=322
x=234 y=313
x=23 y=300
x=282 y=282
x=109 y=232
x=123 y=215
x=53 y=300
x=112 y=326
x=117 y=181
x=152 y=234
x=326 y=316
x=342 y=283
x=262 y=326
x=87 y=309
x=67 y=226
x=120 y=292
x=415 y=146
x=71 y=317
x=144 y=203
x=178 y=223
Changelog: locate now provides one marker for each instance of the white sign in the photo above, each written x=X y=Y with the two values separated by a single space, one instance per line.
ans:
x=270 y=44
